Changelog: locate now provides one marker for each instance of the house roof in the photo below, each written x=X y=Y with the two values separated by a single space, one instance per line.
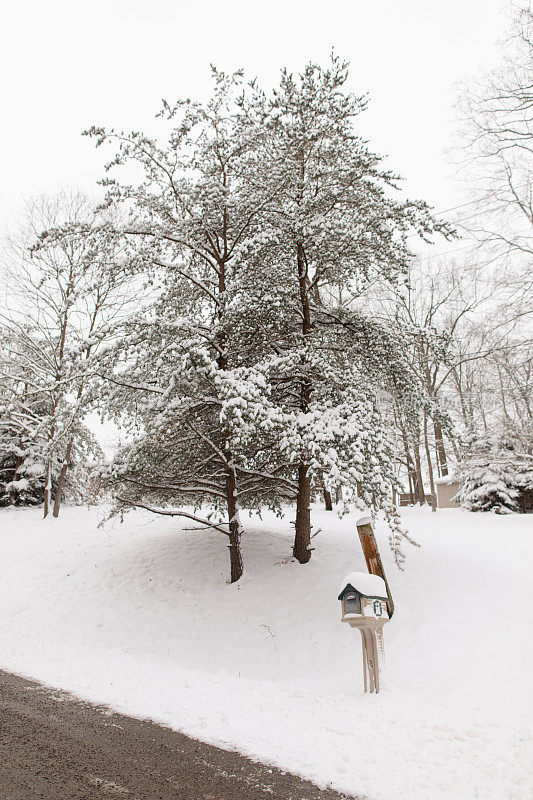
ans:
x=447 y=479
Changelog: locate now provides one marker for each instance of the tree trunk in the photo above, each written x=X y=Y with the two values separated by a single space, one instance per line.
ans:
x=411 y=471
x=235 y=529
x=430 y=465
x=460 y=392
x=328 y=502
x=418 y=466
x=411 y=487
x=455 y=449
x=13 y=493
x=235 y=552
x=302 y=534
x=62 y=479
x=48 y=489
x=442 y=462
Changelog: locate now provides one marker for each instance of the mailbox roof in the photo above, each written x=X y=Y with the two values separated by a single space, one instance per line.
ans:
x=366 y=584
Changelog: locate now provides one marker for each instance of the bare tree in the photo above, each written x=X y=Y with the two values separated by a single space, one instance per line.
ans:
x=62 y=297
x=495 y=151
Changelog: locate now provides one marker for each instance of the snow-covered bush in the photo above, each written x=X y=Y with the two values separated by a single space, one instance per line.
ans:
x=495 y=475
x=21 y=481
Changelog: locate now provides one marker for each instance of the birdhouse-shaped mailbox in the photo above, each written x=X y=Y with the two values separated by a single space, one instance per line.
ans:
x=363 y=596
x=364 y=606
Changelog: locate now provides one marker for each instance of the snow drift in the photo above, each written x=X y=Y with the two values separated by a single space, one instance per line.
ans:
x=139 y=616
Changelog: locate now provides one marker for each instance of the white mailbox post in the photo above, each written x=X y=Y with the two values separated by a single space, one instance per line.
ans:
x=364 y=606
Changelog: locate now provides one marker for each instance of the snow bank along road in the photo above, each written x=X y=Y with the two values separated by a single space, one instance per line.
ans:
x=53 y=746
x=139 y=617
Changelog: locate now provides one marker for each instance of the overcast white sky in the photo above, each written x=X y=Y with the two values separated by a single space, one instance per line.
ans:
x=68 y=64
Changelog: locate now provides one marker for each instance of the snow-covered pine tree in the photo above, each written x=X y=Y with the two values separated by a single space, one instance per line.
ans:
x=197 y=430
x=332 y=223
x=22 y=443
x=495 y=472
x=184 y=363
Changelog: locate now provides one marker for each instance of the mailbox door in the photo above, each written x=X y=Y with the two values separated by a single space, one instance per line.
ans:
x=352 y=603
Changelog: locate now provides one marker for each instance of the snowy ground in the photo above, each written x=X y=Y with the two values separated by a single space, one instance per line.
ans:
x=139 y=616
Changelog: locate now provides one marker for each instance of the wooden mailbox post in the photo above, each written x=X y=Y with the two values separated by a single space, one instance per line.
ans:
x=372 y=556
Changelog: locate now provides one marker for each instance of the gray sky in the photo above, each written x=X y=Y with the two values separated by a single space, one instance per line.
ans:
x=67 y=64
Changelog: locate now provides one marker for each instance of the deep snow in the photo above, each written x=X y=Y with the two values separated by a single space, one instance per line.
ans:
x=139 y=616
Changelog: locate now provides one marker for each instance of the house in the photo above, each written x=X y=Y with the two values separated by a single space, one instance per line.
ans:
x=447 y=488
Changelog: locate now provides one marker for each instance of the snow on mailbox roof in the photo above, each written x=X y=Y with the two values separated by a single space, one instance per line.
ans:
x=369 y=585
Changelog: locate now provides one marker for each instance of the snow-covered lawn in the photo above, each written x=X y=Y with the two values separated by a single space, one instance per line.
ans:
x=139 y=616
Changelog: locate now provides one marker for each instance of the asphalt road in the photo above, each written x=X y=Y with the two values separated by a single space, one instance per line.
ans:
x=55 y=747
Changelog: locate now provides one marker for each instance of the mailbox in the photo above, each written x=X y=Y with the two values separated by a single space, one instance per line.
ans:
x=363 y=595
x=364 y=606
